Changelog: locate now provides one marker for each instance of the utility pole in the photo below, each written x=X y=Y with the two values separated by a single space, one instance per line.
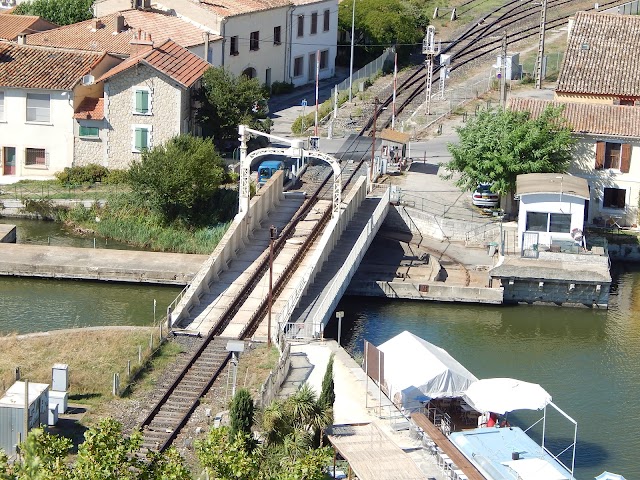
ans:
x=353 y=35
x=273 y=234
x=430 y=50
x=540 y=57
x=503 y=72
x=373 y=138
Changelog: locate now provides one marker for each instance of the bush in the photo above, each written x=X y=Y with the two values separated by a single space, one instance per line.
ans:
x=114 y=177
x=527 y=79
x=278 y=88
x=86 y=174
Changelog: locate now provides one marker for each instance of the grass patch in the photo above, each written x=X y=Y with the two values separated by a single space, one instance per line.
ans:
x=254 y=366
x=53 y=190
x=93 y=357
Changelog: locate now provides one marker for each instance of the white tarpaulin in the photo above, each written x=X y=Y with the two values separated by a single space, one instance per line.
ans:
x=609 y=476
x=535 y=469
x=418 y=370
x=502 y=395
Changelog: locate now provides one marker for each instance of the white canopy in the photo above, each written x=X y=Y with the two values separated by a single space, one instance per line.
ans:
x=419 y=371
x=535 y=469
x=609 y=476
x=502 y=395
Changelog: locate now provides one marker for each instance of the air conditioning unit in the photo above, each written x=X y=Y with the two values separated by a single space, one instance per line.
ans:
x=88 y=80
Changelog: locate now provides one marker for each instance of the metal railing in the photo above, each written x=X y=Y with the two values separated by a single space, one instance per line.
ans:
x=368 y=71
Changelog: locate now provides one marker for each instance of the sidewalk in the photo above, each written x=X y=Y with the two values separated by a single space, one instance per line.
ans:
x=355 y=403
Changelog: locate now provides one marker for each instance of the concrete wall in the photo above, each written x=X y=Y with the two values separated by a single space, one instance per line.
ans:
x=7 y=233
x=164 y=118
x=237 y=236
x=556 y=292
x=89 y=150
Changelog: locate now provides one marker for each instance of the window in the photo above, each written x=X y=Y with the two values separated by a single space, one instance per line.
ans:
x=38 y=108
x=614 y=198
x=254 y=41
x=560 y=222
x=314 y=23
x=141 y=138
x=35 y=157
x=142 y=101
x=300 y=25
x=548 y=222
x=324 y=59
x=89 y=132
x=325 y=26
x=298 y=66
x=1 y=106
x=616 y=156
x=276 y=36
x=234 y=45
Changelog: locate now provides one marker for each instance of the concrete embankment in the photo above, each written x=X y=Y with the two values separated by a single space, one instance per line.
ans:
x=7 y=233
x=98 y=264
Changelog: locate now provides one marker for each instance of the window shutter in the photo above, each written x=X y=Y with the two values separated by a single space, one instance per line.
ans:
x=625 y=157
x=600 y=147
x=142 y=101
x=138 y=139
x=144 y=138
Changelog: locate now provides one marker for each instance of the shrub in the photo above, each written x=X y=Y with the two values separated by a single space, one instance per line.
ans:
x=278 y=88
x=114 y=177
x=85 y=174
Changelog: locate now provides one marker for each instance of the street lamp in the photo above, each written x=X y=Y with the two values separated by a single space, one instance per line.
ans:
x=353 y=23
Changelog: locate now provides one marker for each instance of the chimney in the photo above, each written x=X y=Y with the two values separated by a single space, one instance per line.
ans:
x=22 y=39
x=96 y=24
x=118 y=22
x=140 y=42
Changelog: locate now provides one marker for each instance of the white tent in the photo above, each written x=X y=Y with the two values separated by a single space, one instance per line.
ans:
x=418 y=370
x=502 y=395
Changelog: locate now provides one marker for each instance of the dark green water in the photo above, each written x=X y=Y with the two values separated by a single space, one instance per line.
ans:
x=589 y=361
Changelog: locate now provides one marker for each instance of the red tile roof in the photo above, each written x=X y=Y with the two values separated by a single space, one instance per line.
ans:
x=90 y=109
x=595 y=119
x=602 y=56
x=26 y=66
x=83 y=35
x=169 y=58
x=230 y=8
x=13 y=25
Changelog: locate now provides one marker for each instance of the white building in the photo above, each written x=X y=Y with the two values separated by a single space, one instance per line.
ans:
x=552 y=208
x=40 y=88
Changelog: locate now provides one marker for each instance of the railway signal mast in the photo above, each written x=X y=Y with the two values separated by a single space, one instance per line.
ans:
x=540 y=57
x=430 y=49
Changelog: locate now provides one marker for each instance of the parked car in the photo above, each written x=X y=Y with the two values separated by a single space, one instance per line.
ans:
x=484 y=197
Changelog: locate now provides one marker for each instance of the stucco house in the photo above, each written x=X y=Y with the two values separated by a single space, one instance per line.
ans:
x=40 y=88
x=271 y=40
x=113 y=33
x=13 y=26
x=606 y=154
x=146 y=100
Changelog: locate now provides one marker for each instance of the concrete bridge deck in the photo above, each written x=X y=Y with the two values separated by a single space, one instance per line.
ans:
x=98 y=264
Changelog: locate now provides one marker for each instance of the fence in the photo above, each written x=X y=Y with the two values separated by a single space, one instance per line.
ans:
x=444 y=210
x=51 y=190
x=271 y=386
x=629 y=8
x=368 y=71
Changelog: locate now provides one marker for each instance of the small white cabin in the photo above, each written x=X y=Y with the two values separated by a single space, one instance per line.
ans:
x=552 y=207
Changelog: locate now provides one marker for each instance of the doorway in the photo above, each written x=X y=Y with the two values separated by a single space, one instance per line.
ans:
x=9 y=157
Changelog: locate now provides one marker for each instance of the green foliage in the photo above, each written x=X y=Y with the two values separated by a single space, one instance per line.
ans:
x=328 y=394
x=241 y=414
x=308 y=120
x=228 y=459
x=60 y=12
x=497 y=146
x=228 y=101
x=86 y=174
x=43 y=208
x=278 y=88
x=179 y=179
x=115 y=176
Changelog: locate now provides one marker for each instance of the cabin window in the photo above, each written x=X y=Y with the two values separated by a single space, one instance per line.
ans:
x=548 y=222
x=560 y=222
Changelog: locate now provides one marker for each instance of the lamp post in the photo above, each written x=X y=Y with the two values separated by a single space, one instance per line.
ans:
x=353 y=23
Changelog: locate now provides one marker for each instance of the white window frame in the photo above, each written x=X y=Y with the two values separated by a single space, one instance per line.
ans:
x=149 y=129
x=48 y=121
x=2 y=119
x=135 y=93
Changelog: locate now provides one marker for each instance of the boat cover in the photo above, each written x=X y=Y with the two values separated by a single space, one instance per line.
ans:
x=502 y=395
x=535 y=469
x=609 y=476
x=416 y=371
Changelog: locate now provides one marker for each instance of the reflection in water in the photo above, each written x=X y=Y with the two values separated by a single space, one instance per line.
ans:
x=587 y=359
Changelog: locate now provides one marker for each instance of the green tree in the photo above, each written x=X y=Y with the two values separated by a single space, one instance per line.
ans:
x=228 y=101
x=328 y=394
x=228 y=459
x=179 y=179
x=60 y=12
x=241 y=413
x=497 y=146
x=378 y=24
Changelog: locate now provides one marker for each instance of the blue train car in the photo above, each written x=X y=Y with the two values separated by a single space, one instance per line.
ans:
x=268 y=168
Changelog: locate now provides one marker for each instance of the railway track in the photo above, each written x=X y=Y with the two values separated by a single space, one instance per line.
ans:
x=178 y=401
x=481 y=38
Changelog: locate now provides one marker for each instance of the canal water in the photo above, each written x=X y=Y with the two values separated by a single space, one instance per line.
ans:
x=588 y=360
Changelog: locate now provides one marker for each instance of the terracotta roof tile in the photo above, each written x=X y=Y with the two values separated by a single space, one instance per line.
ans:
x=13 y=25
x=169 y=58
x=602 y=56
x=26 y=66
x=84 y=36
x=595 y=119
x=230 y=8
x=90 y=109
